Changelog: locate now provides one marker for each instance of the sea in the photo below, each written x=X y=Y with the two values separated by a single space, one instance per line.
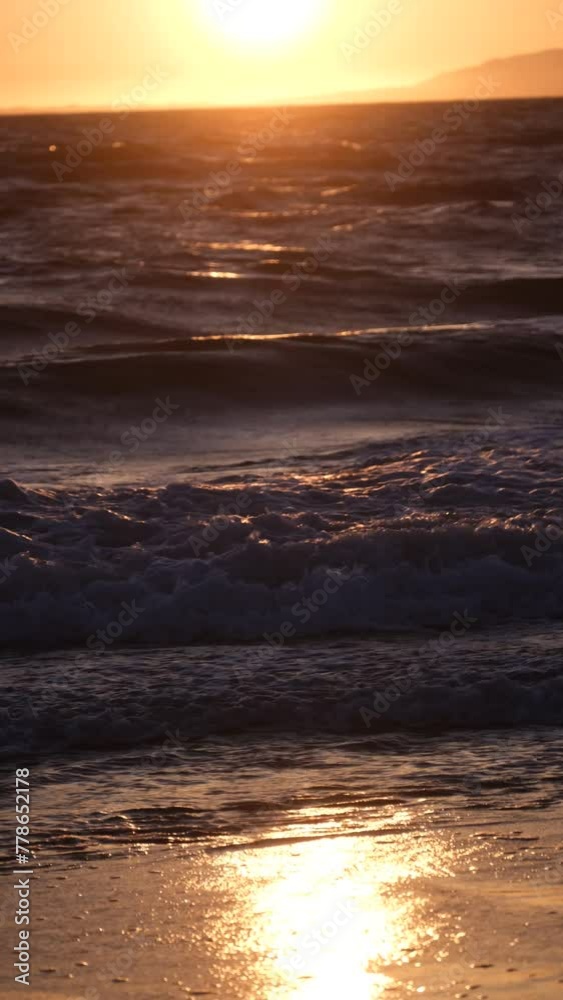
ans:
x=281 y=523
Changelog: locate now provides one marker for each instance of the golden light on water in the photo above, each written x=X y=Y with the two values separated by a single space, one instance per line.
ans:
x=326 y=933
x=335 y=918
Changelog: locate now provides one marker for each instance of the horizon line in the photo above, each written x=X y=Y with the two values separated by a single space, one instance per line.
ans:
x=305 y=103
x=309 y=101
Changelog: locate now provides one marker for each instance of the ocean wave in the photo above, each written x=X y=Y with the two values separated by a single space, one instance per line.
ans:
x=158 y=702
x=367 y=367
x=357 y=552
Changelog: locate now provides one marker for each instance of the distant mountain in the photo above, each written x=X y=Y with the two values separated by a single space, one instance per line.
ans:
x=537 y=74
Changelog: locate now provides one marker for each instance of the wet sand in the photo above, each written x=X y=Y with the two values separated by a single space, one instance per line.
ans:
x=476 y=912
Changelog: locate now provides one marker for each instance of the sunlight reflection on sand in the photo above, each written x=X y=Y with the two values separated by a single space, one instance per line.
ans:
x=333 y=914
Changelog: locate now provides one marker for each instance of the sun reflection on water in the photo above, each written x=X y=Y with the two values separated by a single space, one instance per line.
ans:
x=337 y=917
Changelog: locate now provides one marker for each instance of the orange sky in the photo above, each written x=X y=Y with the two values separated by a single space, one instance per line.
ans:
x=93 y=52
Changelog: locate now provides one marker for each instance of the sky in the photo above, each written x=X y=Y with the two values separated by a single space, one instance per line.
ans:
x=94 y=53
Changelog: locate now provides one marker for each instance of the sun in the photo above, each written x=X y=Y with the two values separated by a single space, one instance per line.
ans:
x=264 y=22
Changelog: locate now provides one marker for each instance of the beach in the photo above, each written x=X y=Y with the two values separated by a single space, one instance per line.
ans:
x=474 y=912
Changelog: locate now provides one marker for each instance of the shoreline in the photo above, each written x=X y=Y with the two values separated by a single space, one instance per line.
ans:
x=472 y=911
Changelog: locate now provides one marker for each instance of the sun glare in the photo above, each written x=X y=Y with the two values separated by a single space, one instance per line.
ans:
x=264 y=22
